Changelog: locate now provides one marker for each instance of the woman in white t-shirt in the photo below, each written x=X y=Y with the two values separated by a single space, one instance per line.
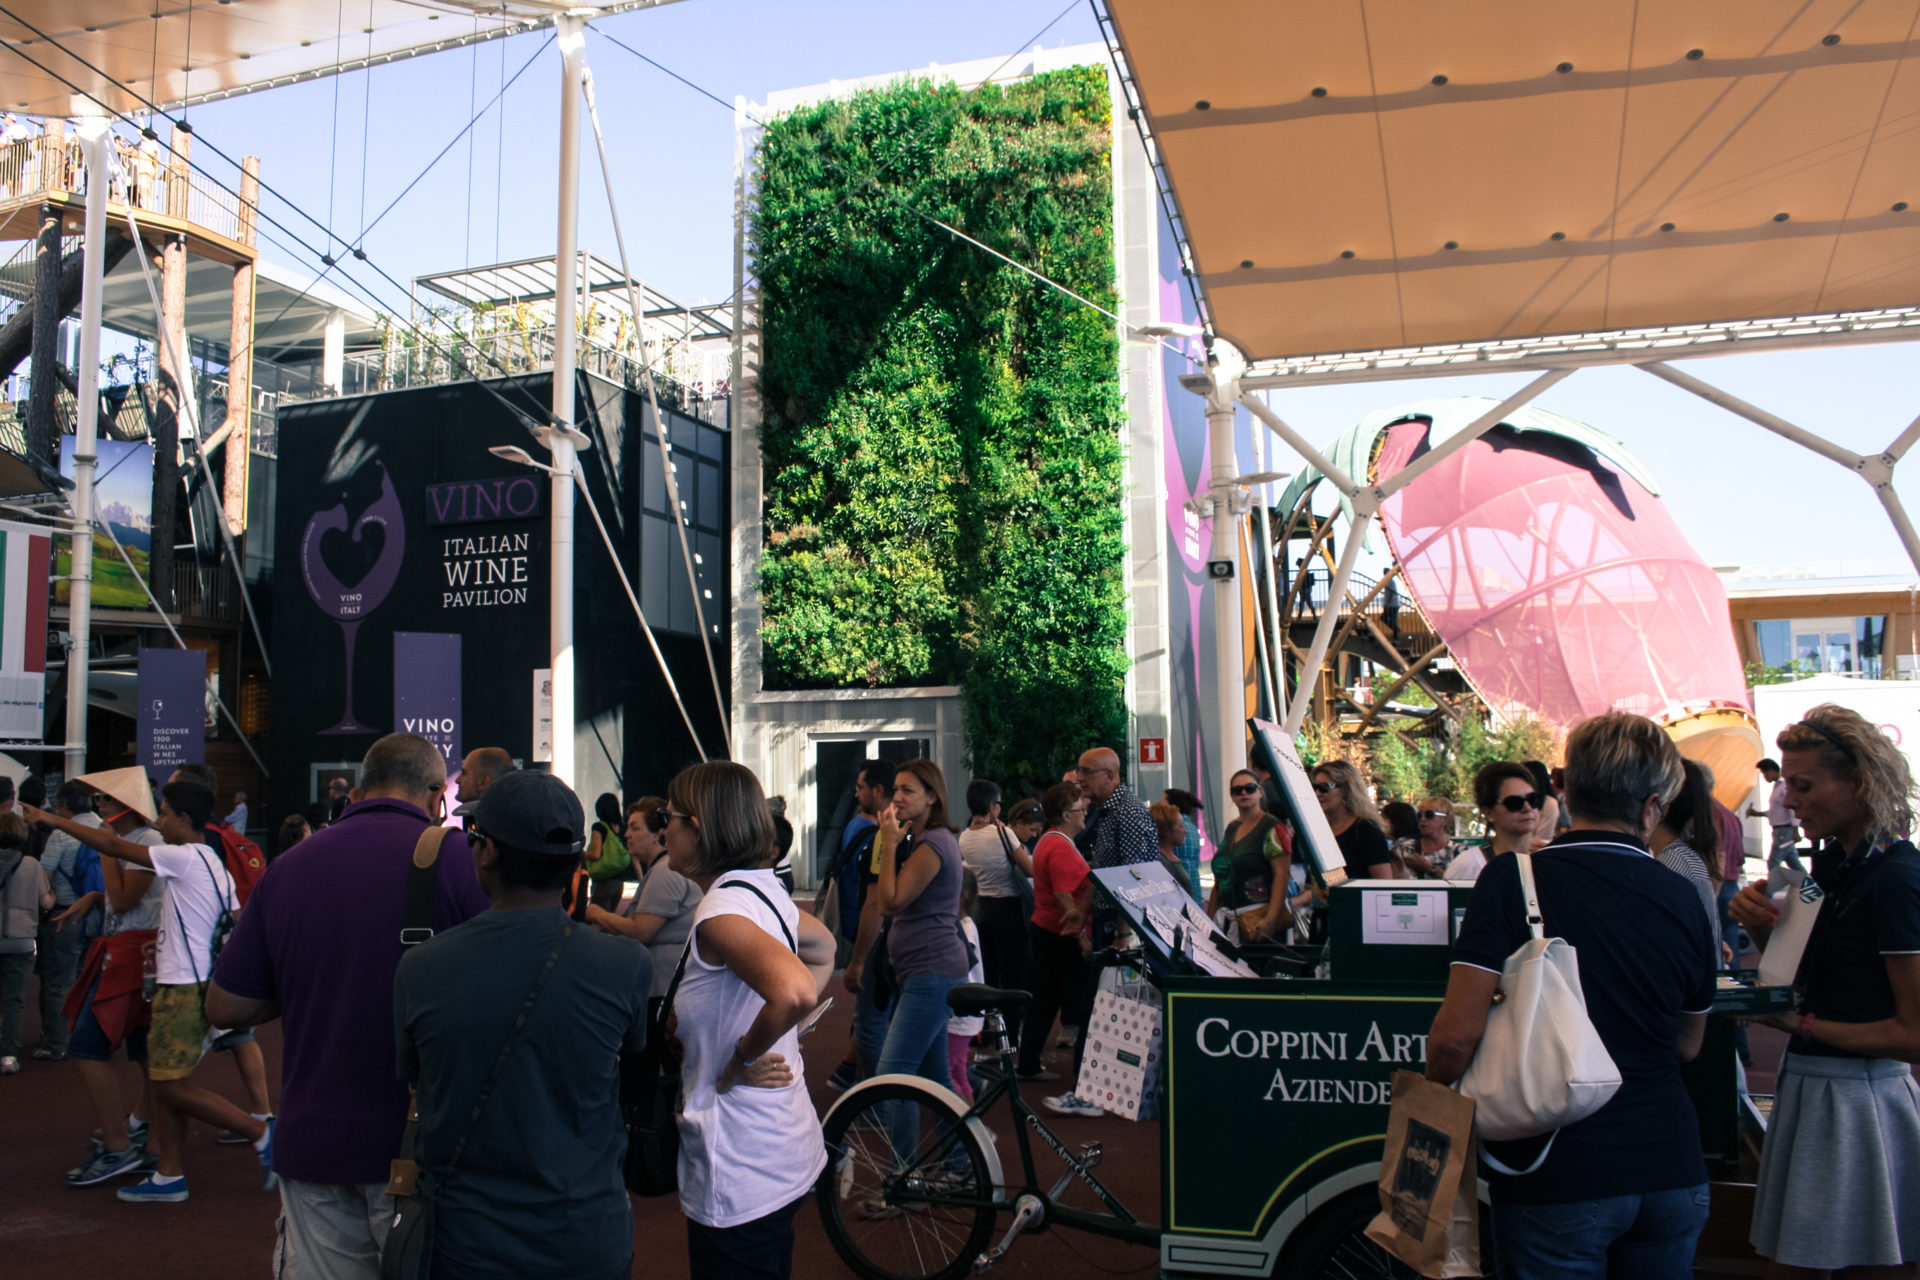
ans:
x=750 y=1146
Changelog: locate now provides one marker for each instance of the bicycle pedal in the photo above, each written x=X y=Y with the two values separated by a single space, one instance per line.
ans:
x=1091 y=1154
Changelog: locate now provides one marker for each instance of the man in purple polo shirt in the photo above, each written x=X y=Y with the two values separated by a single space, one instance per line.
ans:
x=317 y=948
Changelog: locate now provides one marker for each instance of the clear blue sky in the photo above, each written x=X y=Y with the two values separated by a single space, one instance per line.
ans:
x=1744 y=497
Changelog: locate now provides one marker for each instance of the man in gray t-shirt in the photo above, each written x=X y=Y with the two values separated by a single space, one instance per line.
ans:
x=62 y=943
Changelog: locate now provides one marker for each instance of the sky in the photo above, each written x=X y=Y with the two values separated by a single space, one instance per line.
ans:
x=1744 y=497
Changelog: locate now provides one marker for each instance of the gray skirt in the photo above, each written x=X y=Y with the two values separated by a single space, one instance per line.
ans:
x=1840 y=1170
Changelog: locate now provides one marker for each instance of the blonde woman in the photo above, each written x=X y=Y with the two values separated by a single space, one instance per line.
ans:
x=1356 y=824
x=1839 y=1185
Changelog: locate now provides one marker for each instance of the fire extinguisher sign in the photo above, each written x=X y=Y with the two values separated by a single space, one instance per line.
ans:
x=1153 y=751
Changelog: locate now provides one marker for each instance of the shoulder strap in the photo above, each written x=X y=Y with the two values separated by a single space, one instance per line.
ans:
x=1535 y=921
x=852 y=851
x=749 y=886
x=506 y=1049
x=1006 y=847
x=417 y=925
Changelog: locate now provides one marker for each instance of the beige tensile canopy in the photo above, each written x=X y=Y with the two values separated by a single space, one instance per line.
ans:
x=1390 y=173
x=129 y=786
x=1380 y=189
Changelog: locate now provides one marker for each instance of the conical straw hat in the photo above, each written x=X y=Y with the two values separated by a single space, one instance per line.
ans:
x=129 y=786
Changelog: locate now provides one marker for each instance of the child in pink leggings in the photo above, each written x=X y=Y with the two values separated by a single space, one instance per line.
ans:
x=961 y=1031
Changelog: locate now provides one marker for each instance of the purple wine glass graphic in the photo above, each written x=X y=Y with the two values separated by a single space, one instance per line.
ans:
x=349 y=605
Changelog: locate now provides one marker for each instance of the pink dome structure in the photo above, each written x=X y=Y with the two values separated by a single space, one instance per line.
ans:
x=1555 y=574
x=1542 y=564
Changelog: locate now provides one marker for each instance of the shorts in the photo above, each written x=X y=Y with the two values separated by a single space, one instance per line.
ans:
x=228 y=1041
x=90 y=1042
x=178 y=1037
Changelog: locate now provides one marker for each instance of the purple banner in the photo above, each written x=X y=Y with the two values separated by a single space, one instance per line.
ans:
x=172 y=715
x=426 y=689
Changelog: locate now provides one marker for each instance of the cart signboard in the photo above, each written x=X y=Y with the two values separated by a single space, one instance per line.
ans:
x=1277 y=1099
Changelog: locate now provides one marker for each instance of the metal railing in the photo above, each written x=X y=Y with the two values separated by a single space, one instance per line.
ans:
x=509 y=353
x=46 y=165
x=205 y=591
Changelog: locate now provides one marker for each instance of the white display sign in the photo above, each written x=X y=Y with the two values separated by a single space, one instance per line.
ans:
x=543 y=716
x=1404 y=917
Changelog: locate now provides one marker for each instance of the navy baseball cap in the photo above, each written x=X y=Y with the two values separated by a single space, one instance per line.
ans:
x=533 y=812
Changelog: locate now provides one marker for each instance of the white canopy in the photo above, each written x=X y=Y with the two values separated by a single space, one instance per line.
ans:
x=180 y=52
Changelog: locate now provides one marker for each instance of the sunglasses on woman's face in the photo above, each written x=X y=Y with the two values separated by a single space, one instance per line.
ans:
x=1246 y=789
x=1516 y=804
x=1435 y=813
x=1325 y=788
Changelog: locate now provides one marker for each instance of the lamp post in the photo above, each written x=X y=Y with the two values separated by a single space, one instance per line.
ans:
x=93 y=137
x=572 y=35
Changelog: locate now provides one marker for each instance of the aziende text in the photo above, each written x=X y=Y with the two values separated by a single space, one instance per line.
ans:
x=1217 y=1038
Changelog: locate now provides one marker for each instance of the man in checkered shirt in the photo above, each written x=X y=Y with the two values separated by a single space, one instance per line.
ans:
x=1123 y=830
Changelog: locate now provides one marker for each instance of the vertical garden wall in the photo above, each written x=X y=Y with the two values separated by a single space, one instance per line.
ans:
x=941 y=432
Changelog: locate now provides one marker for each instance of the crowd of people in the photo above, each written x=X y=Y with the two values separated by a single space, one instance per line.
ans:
x=156 y=933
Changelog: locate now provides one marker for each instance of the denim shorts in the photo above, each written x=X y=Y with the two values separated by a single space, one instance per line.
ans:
x=89 y=1041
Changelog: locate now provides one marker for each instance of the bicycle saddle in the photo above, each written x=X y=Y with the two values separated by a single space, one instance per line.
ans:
x=972 y=997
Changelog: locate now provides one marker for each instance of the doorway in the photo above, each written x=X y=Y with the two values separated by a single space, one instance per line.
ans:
x=836 y=766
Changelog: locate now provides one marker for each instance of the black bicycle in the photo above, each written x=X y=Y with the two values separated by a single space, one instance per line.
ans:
x=914 y=1181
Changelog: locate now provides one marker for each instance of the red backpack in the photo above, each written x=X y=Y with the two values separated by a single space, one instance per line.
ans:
x=245 y=863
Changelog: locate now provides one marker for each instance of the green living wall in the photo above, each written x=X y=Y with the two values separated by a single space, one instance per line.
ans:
x=941 y=433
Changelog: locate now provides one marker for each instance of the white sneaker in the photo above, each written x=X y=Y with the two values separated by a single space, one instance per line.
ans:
x=1071 y=1104
x=9 y=1066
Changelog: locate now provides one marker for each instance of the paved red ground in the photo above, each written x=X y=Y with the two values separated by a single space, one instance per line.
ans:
x=226 y=1229
x=47 y=1230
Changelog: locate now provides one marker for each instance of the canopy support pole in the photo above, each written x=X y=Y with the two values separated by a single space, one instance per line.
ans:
x=86 y=430
x=566 y=268
x=1224 y=366
x=1876 y=469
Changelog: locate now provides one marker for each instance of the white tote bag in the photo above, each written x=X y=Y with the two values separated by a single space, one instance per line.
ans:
x=1540 y=1065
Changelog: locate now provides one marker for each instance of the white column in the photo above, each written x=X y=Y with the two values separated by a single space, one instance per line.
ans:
x=566 y=268
x=333 y=353
x=1224 y=366
x=93 y=138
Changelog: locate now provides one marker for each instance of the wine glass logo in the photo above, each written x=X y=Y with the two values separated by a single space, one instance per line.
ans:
x=349 y=605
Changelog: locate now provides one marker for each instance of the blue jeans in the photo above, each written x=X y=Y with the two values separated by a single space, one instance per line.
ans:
x=869 y=1020
x=1639 y=1237
x=916 y=1045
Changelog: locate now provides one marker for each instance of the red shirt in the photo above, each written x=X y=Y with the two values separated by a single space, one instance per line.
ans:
x=1056 y=865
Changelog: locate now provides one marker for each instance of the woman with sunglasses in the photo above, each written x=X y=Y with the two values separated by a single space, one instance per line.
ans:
x=1510 y=805
x=1249 y=873
x=1839 y=1183
x=1429 y=854
x=756 y=965
x=660 y=914
x=1349 y=810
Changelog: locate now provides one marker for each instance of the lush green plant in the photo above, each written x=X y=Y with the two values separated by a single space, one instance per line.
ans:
x=1759 y=673
x=940 y=444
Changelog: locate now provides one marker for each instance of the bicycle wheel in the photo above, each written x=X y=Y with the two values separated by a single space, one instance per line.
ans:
x=919 y=1207
x=1333 y=1245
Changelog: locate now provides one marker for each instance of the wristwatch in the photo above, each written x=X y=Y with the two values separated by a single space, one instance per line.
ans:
x=745 y=1063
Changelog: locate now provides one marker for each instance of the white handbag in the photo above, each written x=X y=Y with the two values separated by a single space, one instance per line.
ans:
x=1540 y=1065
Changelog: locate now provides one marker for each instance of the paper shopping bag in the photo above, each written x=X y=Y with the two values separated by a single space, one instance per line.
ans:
x=1426 y=1172
x=1120 y=1066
